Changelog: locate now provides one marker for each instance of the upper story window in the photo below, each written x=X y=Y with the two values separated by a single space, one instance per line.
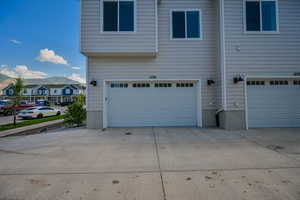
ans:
x=118 y=16
x=261 y=16
x=68 y=91
x=186 y=24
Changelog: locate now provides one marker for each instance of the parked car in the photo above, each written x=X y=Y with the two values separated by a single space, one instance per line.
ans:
x=4 y=104
x=65 y=103
x=8 y=107
x=42 y=103
x=39 y=112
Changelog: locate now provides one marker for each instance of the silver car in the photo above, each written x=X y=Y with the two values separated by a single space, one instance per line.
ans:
x=39 y=112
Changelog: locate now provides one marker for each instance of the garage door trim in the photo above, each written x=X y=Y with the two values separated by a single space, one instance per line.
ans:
x=246 y=93
x=105 y=96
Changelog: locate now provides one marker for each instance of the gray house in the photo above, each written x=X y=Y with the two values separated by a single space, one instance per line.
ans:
x=228 y=63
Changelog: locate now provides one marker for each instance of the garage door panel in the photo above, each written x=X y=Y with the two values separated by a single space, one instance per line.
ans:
x=273 y=106
x=152 y=106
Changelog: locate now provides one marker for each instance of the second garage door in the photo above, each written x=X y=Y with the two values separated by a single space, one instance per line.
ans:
x=273 y=103
x=133 y=104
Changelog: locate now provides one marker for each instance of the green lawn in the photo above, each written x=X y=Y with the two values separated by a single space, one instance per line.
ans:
x=29 y=122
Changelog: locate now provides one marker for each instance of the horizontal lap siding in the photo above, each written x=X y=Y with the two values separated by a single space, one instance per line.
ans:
x=260 y=54
x=95 y=41
x=195 y=59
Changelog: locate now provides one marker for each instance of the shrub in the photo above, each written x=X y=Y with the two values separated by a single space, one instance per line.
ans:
x=76 y=114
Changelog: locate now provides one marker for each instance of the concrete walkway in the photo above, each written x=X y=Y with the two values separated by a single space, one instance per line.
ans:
x=152 y=163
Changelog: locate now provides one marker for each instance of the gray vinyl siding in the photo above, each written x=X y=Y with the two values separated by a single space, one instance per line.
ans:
x=260 y=54
x=176 y=59
x=94 y=41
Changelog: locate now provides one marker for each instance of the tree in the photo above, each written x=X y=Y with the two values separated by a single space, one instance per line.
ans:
x=76 y=113
x=17 y=93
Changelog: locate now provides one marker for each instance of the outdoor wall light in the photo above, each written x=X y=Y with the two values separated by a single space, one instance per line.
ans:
x=238 y=79
x=93 y=83
x=210 y=82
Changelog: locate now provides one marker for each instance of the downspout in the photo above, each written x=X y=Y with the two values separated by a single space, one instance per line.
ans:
x=222 y=58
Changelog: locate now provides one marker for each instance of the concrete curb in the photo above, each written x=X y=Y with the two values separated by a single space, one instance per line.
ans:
x=33 y=129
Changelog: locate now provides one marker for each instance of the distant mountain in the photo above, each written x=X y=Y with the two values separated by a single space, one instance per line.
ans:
x=4 y=77
x=56 y=80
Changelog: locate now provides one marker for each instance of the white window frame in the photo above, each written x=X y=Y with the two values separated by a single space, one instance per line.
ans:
x=185 y=11
x=261 y=26
x=117 y=32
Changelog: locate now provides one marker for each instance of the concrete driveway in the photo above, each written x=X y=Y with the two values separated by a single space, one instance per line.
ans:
x=152 y=164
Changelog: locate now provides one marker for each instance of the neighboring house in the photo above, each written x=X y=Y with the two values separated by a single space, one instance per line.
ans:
x=4 y=82
x=51 y=92
x=200 y=63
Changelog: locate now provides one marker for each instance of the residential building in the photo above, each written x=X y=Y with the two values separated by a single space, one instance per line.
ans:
x=60 y=90
x=232 y=63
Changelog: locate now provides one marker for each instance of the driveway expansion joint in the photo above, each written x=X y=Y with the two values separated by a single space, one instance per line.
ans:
x=158 y=162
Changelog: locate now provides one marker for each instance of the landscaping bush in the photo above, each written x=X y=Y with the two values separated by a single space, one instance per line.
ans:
x=76 y=114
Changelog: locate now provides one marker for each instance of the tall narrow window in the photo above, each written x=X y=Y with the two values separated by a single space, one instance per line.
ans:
x=178 y=22
x=261 y=15
x=186 y=24
x=118 y=16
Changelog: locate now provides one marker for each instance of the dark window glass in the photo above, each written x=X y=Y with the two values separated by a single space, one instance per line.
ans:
x=110 y=16
x=268 y=15
x=193 y=24
x=178 y=24
x=126 y=16
x=252 y=16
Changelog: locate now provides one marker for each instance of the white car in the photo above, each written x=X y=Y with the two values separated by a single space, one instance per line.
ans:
x=38 y=112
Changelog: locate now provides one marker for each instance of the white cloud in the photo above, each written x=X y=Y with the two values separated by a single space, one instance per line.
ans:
x=21 y=71
x=47 y=55
x=76 y=77
x=15 y=41
x=76 y=68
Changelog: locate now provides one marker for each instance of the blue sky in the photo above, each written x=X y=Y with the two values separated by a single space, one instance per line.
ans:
x=40 y=38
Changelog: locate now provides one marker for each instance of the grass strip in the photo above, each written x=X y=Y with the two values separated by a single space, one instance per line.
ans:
x=29 y=122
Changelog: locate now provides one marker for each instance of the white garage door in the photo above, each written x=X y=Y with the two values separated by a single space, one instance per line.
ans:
x=151 y=104
x=273 y=103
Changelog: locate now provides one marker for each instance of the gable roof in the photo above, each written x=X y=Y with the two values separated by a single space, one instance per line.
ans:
x=50 y=81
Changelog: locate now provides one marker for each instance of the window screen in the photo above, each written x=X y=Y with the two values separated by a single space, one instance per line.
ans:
x=193 y=28
x=268 y=15
x=126 y=16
